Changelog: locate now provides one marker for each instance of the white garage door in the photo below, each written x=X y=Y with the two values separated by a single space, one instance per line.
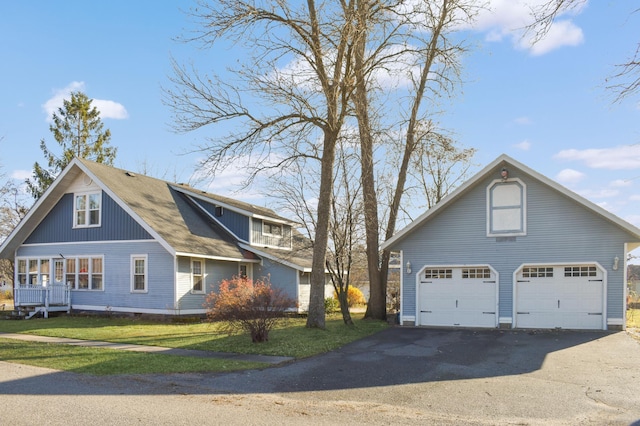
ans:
x=458 y=296
x=565 y=296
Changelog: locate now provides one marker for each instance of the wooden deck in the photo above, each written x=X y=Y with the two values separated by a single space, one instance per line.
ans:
x=33 y=299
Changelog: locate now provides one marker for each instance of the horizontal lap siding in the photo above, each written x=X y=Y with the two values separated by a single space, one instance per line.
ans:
x=215 y=271
x=558 y=230
x=279 y=275
x=117 y=273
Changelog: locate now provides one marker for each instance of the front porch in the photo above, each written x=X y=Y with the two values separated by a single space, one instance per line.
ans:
x=30 y=300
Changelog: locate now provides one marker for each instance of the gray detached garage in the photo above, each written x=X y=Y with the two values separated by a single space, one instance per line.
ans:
x=511 y=248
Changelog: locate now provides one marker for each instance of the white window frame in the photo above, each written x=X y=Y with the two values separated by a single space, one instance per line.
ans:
x=248 y=270
x=44 y=277
x=522 y=208
x=145 y=258
x=87 y=211
x=202 y=276
x=266 y=224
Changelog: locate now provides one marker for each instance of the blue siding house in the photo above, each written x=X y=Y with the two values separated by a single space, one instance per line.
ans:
x=107 y=239
x=511 y=248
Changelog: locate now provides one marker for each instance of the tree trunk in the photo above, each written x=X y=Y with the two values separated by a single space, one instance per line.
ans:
x=316 y=318
x=343 y=298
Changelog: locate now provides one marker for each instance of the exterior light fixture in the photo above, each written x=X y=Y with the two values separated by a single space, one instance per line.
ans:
x=616 y=260
x=408 y=267
x=504 y=173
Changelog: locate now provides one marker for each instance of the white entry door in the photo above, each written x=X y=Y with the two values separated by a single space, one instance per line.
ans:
x=560 y=296
x=458 y=297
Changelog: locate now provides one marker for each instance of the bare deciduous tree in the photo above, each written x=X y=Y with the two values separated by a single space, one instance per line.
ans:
x=283 y=114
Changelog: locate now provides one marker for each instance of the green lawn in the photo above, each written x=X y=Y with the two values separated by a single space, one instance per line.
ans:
x=290 y=338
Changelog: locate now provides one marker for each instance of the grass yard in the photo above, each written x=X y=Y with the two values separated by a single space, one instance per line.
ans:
x=633 y=318
x=290 y=338
x=99 y=362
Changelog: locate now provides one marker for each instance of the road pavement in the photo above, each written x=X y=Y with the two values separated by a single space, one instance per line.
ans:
x=399 y=376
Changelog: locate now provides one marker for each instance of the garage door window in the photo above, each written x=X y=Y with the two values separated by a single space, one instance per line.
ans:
x=537 y=272
x=580 y=271
x=431 y=274
x=470 y=273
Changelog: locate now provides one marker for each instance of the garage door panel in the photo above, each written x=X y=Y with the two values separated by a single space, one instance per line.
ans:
x=560 y=297
x=464 y=297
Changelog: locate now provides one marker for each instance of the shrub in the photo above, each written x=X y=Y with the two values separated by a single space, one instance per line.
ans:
x=354 y=297
x=249 y=306
x=331 y=305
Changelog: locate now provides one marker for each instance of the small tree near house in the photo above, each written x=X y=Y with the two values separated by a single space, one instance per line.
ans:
x=247 y=305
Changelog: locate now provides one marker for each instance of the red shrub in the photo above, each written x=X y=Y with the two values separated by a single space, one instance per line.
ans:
x=249 y=306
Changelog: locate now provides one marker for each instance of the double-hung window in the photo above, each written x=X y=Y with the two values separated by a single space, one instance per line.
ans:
x=87 y=209
x=197 y=276
x=139 y=274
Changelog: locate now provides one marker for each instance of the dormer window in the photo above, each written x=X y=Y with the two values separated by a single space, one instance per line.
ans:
x=87 y=209
x=506 y=208
x=273 y=229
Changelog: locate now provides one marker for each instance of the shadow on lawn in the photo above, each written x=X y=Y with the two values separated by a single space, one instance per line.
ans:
x=392 y=357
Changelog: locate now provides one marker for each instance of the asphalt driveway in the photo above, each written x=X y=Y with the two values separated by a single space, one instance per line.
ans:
x=398 y=376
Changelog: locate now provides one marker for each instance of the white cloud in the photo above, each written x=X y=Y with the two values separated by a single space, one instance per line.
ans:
x=599 y=193
x=620 y=183
x=509 y=19
x=21 y=174
x=108 y=109
x=635 y=197
x=561 y=33
x=524 y=145
x=570 y=176
x=624 y=157
x=523 y=121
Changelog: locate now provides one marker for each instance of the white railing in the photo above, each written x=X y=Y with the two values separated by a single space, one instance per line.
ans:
x=37 y=295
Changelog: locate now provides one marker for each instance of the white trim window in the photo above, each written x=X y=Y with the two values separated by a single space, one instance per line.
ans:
x=87 y=209
x=245 y=270
x=139 y=274
x=85 y=273
x=506 y=208
x=80 y=273
x=272 y=229
x=197 y=276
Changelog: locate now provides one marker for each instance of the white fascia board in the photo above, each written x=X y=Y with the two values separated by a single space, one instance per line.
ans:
x=129 y=211
x=635 y=231
x=212 y=217
x=222 y=258
x=274 y=258
x=441 y=205
x=37 y=207
x=235 y=209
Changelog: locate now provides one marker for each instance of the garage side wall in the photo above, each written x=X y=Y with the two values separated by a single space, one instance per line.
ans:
x=558 y=230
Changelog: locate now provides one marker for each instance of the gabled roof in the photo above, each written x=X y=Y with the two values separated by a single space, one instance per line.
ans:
x=160 y=207
x=506 y=161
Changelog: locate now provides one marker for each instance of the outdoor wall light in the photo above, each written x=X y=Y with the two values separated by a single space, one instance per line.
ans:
x=616 y=260
x=408 y=267
x=504 y=173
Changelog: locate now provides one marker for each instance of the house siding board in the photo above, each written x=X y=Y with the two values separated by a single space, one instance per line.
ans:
x=215 y=272
x=280 y=276
x=58 y=225
x=235 y=222
x=559 y=230
x=117 y=270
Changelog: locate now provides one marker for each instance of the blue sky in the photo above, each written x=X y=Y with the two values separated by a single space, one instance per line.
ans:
x=546 y=107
